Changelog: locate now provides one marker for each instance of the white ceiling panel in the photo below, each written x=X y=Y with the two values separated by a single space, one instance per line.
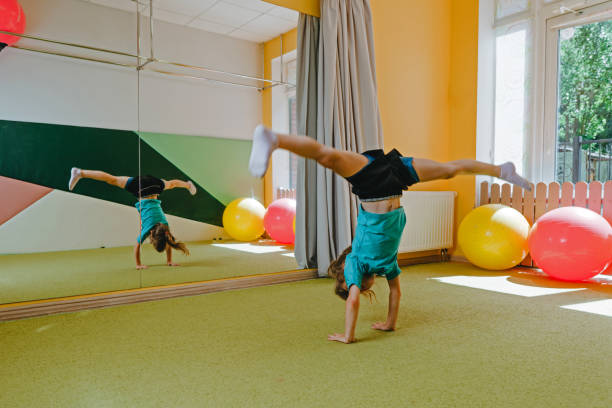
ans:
x=226 y=13
x=285 y=13
x=255 y=5
x=252 y=20
x=188 y=7
x=211 y=26
x=267 y=25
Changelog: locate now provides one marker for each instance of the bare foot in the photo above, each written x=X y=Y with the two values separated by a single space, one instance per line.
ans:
x=340 y=338
x=383 y=326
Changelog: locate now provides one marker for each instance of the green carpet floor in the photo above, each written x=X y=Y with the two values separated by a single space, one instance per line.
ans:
x=266 y=347
x=68 y=273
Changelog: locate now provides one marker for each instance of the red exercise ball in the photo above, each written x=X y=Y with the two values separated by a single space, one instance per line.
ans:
x=571 y=243
x=12 y=18
x=278 y=220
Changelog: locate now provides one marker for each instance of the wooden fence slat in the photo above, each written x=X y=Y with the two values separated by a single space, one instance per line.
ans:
x=540 y=201
x=594 y=202
x=529 y=204
x=517 y=198
x=528 y=212
x=484 y=193
x=553 y=195
x=580 y=194
x=495 y=194
x=539 y=210
x=607 y=201
x=506 y=197
x=567 y=194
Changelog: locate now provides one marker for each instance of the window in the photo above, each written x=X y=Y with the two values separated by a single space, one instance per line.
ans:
x=509 y=7
x=545 y=87
x=284 y=119
x=510 y=95
x=579 y=115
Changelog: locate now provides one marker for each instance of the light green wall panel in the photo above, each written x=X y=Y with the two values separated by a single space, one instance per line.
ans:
x=218 y=165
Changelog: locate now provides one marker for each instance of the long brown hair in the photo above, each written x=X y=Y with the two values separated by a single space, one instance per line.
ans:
x=336 y=270
x=161 y=237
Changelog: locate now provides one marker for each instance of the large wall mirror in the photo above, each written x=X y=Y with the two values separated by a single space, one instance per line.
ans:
x=84 y=143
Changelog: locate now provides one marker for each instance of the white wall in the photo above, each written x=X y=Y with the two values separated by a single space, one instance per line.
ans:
x=178 y=105
x=58 y=90
x=74 y=225
x=42 y=88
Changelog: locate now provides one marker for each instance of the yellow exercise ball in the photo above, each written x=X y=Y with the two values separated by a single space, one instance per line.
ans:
x=494 y=236
x=243 y=219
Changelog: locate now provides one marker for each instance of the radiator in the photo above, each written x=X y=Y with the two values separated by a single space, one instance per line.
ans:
x=429 y=220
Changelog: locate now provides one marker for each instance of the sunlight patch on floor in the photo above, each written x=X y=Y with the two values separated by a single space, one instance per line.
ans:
x=290 y=254
x=501 y=284
x=600 y=307
x=253 y=249
x=603 y=278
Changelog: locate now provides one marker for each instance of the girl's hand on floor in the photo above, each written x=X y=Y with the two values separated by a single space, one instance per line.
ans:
x=382 y=326
x=339 y=337
x=173 y=264
x=141 y=266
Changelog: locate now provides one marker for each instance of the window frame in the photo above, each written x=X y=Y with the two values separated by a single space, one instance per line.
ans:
x=588 y=15
x=540 y=142
x=280 y=70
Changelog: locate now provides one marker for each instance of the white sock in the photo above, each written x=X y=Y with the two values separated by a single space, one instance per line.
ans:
x=75 y=176
x=192 y=187
x=509 y=174
x=264 y=143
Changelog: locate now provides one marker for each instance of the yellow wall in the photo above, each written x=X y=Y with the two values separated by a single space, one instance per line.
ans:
x=462 y=97
x=426 y=62
x=271 y=50
x=412 y=64
x=311 y=7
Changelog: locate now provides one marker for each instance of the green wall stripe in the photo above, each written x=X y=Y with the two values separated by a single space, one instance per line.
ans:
x=43 y=154
x=220 y=165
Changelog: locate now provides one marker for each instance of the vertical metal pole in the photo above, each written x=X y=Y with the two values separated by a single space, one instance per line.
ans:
x=564 y=153
x=282 y=67
x=151 y=28
x=138 y=34
x=599 y=162
x=588 y=166
x=138 y=115
x=576 y=159
x=609 y=160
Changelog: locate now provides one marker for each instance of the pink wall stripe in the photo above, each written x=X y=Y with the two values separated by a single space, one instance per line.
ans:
x=17 y=195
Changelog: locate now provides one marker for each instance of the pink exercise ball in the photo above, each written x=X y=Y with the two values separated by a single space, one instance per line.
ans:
x=12 y=18
x=278 y=220
x=571 y=243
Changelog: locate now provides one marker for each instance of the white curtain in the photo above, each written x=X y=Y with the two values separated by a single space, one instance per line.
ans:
x=347 y=118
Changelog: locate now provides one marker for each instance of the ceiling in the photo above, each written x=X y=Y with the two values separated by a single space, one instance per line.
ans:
x=251 y=20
